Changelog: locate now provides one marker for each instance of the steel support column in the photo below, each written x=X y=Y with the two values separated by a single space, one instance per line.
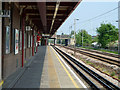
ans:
x=37 y=44
x=23 y=29
x=33 y=44
x=0 y=43
x=119 y=29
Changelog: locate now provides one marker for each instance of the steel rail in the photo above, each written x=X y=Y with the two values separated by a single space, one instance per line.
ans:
x=96 y=76
x=78 y=71
x=103 y=53
x=101 y=58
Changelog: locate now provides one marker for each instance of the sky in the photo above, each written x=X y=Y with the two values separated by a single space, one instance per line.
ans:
x=88 y=9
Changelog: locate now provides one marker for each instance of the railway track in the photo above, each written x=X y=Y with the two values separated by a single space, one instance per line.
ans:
x=98 y=57
x=95 y=51
x=100 y=52
x=77 y=66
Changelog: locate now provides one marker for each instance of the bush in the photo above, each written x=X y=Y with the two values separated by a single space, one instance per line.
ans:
x=112 y=74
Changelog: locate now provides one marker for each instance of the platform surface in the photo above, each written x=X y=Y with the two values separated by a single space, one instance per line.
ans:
x=47 y=71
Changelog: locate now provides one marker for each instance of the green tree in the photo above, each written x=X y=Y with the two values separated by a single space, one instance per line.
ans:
x=107 y=33
x=72 y=33
x=58 y=41
x=62 y=34
x=95 y=39
x=87 y=39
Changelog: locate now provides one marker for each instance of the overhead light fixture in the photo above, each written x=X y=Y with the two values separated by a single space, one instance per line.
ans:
x=55 y=13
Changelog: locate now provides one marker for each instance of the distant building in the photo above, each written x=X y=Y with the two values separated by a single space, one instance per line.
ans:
x=63 y=36
x=72 y=41
x=94 y=36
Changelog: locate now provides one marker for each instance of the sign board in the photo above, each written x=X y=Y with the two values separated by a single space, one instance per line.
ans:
x=28 y=28
x=16 y=41
x=45 y=35
x=5 y=13
x=7 y=39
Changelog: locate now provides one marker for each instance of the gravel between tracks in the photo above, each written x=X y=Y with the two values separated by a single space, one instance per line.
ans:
x=111 y=67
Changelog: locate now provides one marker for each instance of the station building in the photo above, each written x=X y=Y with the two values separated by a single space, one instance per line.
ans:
x=21 y=23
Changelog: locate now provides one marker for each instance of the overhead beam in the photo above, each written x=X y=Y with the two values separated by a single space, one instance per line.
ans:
x=31 y=11
x=34 y=16
x=42 y=11
x=28 y=3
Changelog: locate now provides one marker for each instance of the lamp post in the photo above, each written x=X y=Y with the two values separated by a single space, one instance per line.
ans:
x=74 y=35
x=118 y=38
x=119 y=46
x=70 y=28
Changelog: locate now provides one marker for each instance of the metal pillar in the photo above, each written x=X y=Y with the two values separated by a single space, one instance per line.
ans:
x=33 y=44
x=74 y=35
x=23 y=29
x=119 y=28
x=37 y=43
x=119 y=34
x=0 y=43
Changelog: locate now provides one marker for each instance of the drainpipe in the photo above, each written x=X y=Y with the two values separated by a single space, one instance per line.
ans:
x=33 y=44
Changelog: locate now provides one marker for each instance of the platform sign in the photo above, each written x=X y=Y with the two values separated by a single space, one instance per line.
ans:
x=16 y=41
x=7 y=39
x=45 y=35
x=5 y=13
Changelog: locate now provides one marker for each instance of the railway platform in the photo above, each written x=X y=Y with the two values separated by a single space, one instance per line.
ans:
x=44 y=70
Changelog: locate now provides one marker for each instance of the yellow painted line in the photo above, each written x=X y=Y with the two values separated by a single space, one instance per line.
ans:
x=75 y=84
x=1 y=83
x=53 y=78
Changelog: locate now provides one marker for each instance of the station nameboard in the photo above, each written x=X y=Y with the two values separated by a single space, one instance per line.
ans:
x=5 y=13
x=45 y=35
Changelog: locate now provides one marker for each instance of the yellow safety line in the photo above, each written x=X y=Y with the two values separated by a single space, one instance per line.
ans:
x=52 y=72
x=1 y=83
x=75 y=84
